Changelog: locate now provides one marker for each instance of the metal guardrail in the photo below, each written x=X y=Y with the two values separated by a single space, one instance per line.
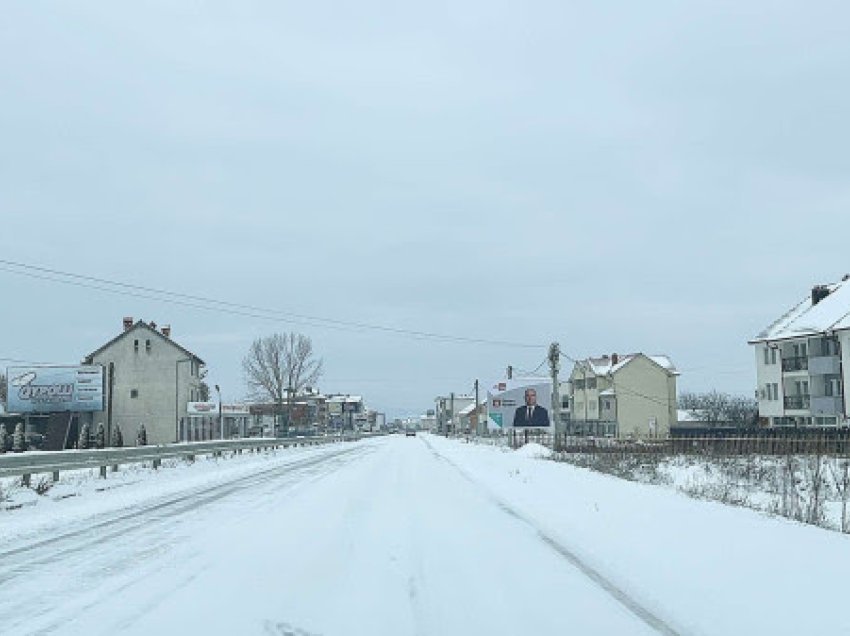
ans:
x=31 y=463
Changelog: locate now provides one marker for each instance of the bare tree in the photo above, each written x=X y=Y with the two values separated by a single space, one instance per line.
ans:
x=280 y=366
x=719 y=409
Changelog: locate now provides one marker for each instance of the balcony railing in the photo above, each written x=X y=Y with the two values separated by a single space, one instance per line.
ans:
x=797 y=401
x=799 y=363
x=824 y=365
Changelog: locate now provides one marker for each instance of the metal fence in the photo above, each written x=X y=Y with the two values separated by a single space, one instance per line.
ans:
x=753 y=442
x=27 y=464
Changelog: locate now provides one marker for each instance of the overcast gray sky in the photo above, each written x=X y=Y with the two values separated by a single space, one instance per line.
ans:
x=664 y=177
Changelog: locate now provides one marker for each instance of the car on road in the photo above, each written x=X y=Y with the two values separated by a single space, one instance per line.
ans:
x=410 y=433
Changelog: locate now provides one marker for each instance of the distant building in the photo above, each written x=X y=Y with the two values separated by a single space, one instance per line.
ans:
x=149 y=379
x=447 y=409
x=802 y=361
x=623 y=396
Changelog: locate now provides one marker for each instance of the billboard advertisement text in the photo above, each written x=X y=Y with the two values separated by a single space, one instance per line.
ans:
x=50 y=389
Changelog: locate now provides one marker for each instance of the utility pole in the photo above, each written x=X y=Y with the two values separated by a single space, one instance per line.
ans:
x=478 y=430
x=554 y=366
x=452 y=411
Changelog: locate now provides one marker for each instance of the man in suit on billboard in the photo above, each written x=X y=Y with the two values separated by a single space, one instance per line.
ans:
x=532 y=414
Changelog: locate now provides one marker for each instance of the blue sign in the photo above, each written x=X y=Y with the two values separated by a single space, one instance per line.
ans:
x=50 y=389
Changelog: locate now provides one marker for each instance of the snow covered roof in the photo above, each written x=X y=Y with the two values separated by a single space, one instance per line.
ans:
x=832 y=313
x=607 y=392
x=687 y=415
x=467 y=410
x=141 y=324
x=345 y=398
x=605 y=365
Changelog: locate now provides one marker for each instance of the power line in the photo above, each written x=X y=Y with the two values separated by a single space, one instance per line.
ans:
x=238 y=309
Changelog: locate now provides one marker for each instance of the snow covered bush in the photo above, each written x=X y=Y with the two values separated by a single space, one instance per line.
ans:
x=117 y=438
x=83 y=441
x=142 y=436
x=18 y=442
x=100 y=436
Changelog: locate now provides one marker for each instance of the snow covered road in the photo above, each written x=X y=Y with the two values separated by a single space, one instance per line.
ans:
x=379 y=537
x=398 y=536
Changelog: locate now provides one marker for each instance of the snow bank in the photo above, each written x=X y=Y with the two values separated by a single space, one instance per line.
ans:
x=533 y=450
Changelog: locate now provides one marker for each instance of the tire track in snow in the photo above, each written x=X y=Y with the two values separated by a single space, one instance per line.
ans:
x=612 y=589
x=141 y=520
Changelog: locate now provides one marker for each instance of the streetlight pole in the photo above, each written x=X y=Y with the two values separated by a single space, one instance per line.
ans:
x=220 y=418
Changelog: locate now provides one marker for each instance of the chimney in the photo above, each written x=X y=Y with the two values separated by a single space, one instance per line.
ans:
x=153 y=325
x=819 y=292
x=614 y=359
x=128 y=323
x=166 y=331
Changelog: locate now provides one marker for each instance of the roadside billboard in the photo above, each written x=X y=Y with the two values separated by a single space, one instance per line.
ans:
x=51 y=389
x=211 y=408
x=520 y=403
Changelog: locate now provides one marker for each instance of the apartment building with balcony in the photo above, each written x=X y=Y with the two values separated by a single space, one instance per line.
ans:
x=632 y=395
x=802 y=358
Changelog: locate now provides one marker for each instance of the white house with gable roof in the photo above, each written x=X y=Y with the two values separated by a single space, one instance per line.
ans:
x=631 y=395
x=802 y=361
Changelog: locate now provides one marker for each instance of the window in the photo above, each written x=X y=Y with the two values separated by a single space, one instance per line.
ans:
x=134 y=393
x=136 y=346
x=579 y=384
x=148 y=346
x=773 y=356
x=591 y=383
x=767 y=355
x=592 y=406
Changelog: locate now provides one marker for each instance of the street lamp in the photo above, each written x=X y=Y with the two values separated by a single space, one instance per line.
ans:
x=220 y=418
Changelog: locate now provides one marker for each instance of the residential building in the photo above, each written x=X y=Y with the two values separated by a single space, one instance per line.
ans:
x=802 y=360
x=447 y=408
x=149 y=379
x=632 y=395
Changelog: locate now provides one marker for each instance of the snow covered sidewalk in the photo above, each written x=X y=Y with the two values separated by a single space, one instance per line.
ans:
x=704 y=567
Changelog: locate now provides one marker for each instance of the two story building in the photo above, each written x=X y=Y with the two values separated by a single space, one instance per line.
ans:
x=631 y=395
x=149 y=379
x=802 y=361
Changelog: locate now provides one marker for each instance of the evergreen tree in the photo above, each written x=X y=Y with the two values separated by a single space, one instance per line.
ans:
x=100 y=436
x=117 y=438
x=85 y=432
x=142 y=437
x=3 y=436
x=18 y=444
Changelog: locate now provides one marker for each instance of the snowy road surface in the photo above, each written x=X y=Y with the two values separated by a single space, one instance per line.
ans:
x=400 y=536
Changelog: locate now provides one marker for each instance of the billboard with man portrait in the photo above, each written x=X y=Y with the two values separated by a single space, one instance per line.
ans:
x=520 y=403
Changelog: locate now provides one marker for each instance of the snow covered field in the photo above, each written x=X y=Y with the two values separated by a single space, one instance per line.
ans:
x=412 y=536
